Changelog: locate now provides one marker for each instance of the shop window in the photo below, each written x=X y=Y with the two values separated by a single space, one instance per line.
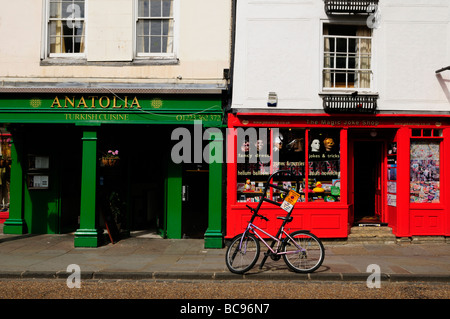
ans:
x=5 y=170
x=425 y=170
x=324 y=165
x=289 y=154
x=253 y=163
x=261 y=152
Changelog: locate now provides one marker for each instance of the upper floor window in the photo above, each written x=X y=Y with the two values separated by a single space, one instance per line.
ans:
x=66 y=28
x=155 y=28
x=347 y=57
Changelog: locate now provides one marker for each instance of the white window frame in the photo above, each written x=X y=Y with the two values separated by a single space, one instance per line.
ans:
x=324 y=89
x=47 y=53
x=162 y=56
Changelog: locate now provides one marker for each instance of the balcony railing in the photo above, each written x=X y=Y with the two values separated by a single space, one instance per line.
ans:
x=350 y=6
x=334 y=103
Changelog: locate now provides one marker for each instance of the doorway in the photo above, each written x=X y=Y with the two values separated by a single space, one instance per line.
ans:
x=367 y=181
x=195 y=200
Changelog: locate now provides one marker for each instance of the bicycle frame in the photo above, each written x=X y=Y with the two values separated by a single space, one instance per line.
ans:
x=253 y=228
x=281 y=231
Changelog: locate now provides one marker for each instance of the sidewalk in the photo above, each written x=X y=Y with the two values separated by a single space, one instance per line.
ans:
x=144 y=258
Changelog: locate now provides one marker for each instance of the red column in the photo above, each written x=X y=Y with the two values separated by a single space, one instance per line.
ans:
x=445 y=177
x=403 y=179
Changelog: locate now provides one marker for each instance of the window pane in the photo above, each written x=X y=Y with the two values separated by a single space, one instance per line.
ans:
x=143 y=8
x=156 y=44
x=53 y=28
x=79 y=28
x=67 y=9
x=327 y=79
x=425 y=172
x=426 y=132
x=167 y=8
x=324 y=165
x=156 y=27
x=416 y=132
x=155 y=8
x=341 y=45
x=143 y=27
x=341 y=62
x=289 y=152
x=143 y=44
x=328 y=61
x=55 y=10
x=253 y=163
x=329 y=44
x=80 y=5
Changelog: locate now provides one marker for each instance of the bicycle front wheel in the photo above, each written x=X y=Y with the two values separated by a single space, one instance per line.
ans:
x=242 y=253
x=303 y=251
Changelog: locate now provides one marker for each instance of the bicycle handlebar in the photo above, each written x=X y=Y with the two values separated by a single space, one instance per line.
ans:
x=264 y=199
x=257 y=215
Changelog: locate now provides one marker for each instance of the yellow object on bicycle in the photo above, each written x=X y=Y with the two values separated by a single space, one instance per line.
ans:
x=290 y=200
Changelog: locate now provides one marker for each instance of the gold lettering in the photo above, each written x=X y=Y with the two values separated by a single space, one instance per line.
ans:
x=101 y=104
x=82 y=102
x=56 y=102
x=126 y=102
x=71 y=102
x=115 y=106
x=93 y=100
x=135 y=102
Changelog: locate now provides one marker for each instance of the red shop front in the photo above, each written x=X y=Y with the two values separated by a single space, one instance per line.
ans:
x=385 y=169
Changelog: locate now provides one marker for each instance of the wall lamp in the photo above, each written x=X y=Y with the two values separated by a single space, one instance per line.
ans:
x=443 y=69
x=272 y=100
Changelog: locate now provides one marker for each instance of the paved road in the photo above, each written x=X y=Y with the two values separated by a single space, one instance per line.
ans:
x=209 y=289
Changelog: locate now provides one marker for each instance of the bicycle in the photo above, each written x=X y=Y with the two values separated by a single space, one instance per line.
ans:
x=302 y=251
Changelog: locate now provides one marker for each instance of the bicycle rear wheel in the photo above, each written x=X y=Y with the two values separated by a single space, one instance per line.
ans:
x=242 y=253
x=304 y=253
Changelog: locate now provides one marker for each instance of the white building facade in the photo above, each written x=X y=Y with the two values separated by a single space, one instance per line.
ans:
x=369 y=77
x=94 y=89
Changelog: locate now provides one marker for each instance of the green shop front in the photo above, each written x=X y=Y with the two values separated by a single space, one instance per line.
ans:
x=99 y=164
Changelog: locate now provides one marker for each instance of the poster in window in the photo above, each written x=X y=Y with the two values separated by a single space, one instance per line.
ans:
x=425 y=172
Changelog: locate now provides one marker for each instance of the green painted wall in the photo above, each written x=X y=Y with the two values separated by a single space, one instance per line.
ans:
x=47 y=211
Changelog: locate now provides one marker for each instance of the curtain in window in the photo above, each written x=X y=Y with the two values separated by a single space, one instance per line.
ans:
x=326 y=59
x=83 y=38
x=363 y=57
x=57 y=44
x=168 y=12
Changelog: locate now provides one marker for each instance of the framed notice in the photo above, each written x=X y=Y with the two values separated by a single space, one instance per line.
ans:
x=38 y=162
x=37 y=181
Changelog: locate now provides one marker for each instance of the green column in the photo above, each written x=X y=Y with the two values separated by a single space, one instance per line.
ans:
x=173 y=200
x=213 y=234
x=88 y=235
x=15 y=224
